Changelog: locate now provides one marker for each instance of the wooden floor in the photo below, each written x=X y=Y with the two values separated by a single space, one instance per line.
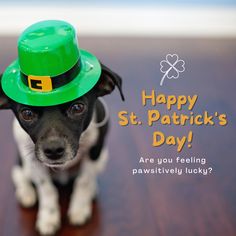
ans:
x=151 y=205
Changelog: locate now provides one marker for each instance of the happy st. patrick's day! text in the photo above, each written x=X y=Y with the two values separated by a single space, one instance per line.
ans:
x=177 y=118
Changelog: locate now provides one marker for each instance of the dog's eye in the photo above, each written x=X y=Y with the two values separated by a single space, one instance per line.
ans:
x=27 y=115
x=76 y=109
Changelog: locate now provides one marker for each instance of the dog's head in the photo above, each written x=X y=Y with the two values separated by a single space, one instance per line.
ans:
x=56 y=130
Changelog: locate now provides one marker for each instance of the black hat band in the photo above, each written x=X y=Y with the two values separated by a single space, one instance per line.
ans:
x=48 y=83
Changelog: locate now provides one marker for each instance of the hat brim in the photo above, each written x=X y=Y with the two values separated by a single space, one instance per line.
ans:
x=87 y=78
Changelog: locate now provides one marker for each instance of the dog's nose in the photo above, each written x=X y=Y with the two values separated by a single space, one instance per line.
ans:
x=54 y=150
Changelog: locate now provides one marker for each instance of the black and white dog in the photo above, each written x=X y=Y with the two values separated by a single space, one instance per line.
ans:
x=69 y=137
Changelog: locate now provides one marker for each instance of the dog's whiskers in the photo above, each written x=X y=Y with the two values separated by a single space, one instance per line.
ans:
x=54 y=169
x=29 y=153
x=28 y=145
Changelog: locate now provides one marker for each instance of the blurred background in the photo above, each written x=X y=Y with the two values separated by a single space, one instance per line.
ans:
x=132 y=37
x=136 y=18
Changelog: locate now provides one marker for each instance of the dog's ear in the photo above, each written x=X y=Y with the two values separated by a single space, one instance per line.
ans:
x=107 y=82
x=4 y=101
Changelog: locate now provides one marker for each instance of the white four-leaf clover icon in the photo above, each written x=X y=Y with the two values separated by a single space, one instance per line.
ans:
x=171 y=67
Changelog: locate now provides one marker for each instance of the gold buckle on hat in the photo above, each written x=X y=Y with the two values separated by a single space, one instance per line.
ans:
x=40 y=83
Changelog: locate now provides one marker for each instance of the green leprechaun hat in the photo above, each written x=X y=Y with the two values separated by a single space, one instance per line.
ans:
x=50 y=69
